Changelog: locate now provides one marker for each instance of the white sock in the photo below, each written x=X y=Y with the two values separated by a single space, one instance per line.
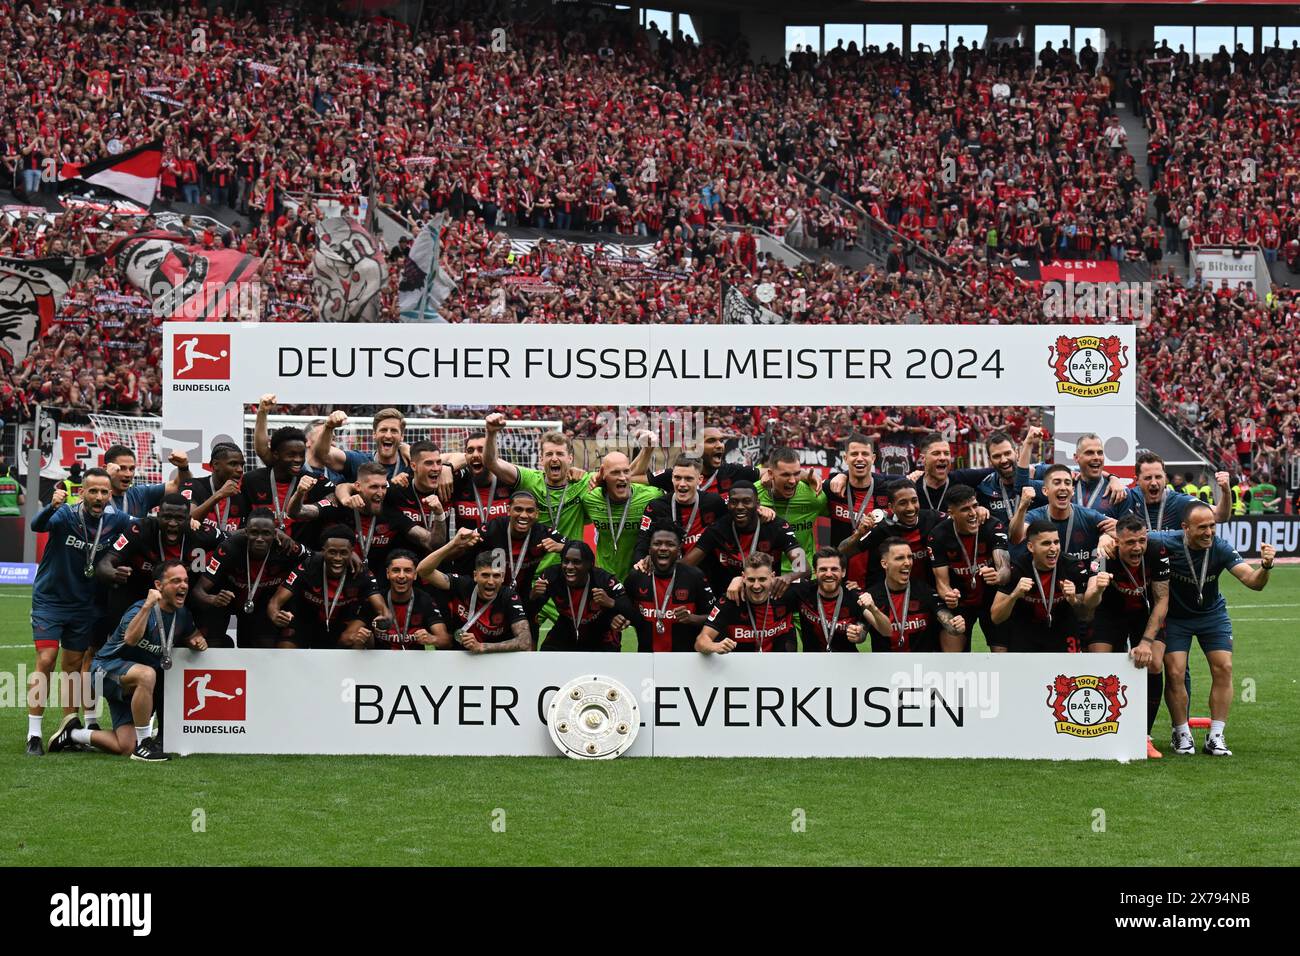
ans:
x=141 y=735
x=1183 y=729
x=81 y=736
x=33 y=726
x=1216 y=727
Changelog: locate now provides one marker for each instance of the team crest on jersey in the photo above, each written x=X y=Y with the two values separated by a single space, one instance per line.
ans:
x=681 y=594
x=1087 y=366
x=1087 y=706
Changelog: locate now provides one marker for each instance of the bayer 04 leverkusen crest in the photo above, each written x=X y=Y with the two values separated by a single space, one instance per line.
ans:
x=1087 y=706
x=1088 y=365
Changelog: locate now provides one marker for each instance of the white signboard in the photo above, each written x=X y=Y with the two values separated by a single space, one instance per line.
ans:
x=1054 y=706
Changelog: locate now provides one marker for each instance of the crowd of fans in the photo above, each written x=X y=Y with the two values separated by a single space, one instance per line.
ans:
x=979 y=156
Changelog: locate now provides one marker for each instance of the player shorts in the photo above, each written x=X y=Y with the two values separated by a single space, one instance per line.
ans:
x=983 y=614
x=71 y=631
x=312 y=634
x=1039 y=640
x=1213 y=631
x=108 y=672
x=1121 y=633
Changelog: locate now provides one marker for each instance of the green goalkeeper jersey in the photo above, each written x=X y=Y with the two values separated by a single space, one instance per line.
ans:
x=617 y=525
x=801 y=512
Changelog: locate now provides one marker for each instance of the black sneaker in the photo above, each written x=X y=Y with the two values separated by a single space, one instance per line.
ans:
x=62 y=738
x=149 y=750
x=34 y=747
x=1215 y=747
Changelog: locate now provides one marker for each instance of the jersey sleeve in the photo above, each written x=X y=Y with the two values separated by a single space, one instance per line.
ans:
x=661 y=479
x=366 y=585
x=515 y=611
x=217 y=569
x=1226 y=553
x=786 y=537
x=1012 y=580
x=149 y=496
x=297 y=579
x=1160 y=567
x=936 y=542
x=352 y=460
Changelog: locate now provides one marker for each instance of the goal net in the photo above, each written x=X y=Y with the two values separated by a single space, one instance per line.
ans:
x=519 y=443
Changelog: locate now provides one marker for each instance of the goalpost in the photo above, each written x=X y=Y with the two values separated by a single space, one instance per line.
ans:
x=519 y=443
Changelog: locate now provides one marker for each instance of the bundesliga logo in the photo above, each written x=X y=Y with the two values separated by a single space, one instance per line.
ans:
x=214 y=695
x=1087 y=706
x=1087 y=366
x=201 y=357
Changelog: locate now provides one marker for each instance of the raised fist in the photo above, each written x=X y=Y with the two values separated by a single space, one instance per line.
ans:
x=306 y=483
x=337 y=419
x=266 y=402
x=60 y=496
x=494 y=422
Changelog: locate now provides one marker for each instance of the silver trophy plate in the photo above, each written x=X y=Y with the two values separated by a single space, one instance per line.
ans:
x=593 y=718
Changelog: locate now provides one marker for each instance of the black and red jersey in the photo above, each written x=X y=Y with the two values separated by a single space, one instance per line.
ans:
x=466 y=611
x=657 y=597
x=141 y=548
x=474 y=502
x=325 y=602
x=1130 y=595
x=724 y=547
x=814 y=606
x=261 y=490
x=520 y=554
x=846 y=510
x=963 y=555
x=417 y=613
x=762 y=628
x=581 y=624
x=231 y=568
x=918 y=536
x=410 y=501
x=913 y=618
x=1037 y=624
x=227 y=515
x=376 y=535
x=700 y=514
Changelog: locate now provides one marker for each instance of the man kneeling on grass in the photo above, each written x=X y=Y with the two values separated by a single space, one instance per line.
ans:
x=128 y=667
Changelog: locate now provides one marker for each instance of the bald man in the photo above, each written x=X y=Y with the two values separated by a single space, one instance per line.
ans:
x=615 y=506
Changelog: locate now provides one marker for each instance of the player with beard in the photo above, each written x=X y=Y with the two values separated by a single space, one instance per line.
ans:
x=1079 y=528
x=325 y=593
x=827 y=609
x=476 y=494
x=224 y=509
x=592 y=607
x=520 y=541
x=558 y=487
x=134 y=499
x=415 y=493
x=410 y=621
x=484 y=614
x=970 y=558
x=615 y=506
x=126 y=569
x=1000 y=491
x=757 y=619
x=241 y=576
x=903 y=612
x=725 y=544
x=1160 y=507
x=717 y=476
x=1039 y=608
x=909 y=521
x=379 y=527
x=390 y=451
x=1197 y=556
x=793 y=500
x=673 y=599
x=129 y=668
x=1134 y=606
x=272 y=487
x=65 y=594
x=689 y=508
x=937 y=474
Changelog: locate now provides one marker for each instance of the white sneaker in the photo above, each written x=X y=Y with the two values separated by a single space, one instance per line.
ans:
x=1215 y=747
x=1183 y=744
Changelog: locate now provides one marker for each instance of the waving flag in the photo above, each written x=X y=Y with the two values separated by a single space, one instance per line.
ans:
x=133 y=174
x=348 y=272
x=190 y=283
x=425 y=285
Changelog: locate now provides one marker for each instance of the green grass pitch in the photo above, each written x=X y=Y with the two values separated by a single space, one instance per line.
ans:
x=1190 y=811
